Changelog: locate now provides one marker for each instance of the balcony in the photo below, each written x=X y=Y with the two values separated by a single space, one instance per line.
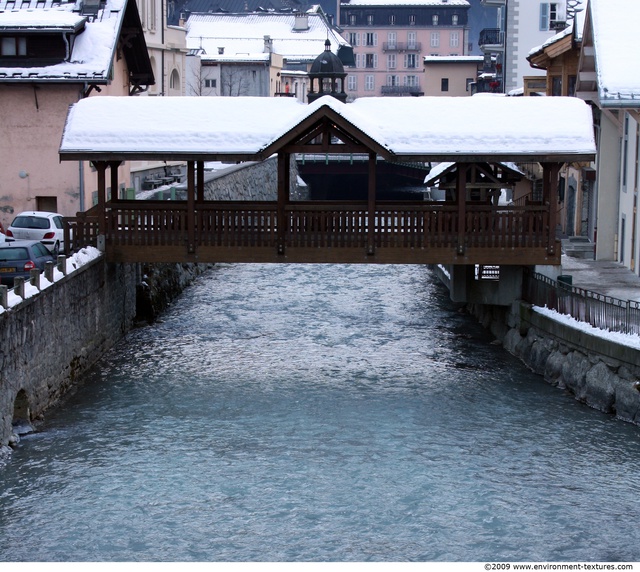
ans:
x=401 y=90
x=491 y=37
x=401 y=46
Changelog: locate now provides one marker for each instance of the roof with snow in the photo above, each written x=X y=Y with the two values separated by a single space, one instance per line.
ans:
x=94 y=42
x=615 y=28
x=252 y=128
x=243 y=35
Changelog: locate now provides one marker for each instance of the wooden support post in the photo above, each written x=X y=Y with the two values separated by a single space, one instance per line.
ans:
x=461 y=198
x=113 y=166
x=283 y=199
x=371 y=206
x=550 y=193
x=101 y=168
x=191 y=207
x=200 y=182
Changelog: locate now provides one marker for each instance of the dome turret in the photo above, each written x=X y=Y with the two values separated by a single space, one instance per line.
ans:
x=326 y=72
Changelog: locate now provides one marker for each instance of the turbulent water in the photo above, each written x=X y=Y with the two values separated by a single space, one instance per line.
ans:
x=320 y=413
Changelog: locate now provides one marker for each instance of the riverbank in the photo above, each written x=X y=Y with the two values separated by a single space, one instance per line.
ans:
x=600 y=369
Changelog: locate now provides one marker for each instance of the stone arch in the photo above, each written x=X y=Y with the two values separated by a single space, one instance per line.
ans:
x=21 y=409
x=174 y=83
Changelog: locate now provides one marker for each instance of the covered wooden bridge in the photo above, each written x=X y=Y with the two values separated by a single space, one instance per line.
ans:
x=471 y=132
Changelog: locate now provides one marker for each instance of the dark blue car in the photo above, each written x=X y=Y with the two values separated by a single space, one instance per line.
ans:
x=19 y=257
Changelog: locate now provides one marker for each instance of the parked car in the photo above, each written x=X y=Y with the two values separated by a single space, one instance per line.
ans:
x=19 y=257
x=39 y=225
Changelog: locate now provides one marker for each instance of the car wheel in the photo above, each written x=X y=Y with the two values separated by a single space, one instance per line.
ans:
x=56 y=249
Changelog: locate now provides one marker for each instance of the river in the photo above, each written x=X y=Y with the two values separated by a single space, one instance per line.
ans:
x=320 y=413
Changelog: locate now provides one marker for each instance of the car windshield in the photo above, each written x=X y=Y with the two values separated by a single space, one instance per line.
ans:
x=7 y=254
x=30 y=222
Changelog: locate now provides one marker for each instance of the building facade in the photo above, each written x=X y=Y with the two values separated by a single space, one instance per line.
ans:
x=390 y=38
x=521 y=25
x=51 y=56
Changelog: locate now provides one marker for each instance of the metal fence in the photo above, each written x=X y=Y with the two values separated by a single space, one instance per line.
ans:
x=604 y=312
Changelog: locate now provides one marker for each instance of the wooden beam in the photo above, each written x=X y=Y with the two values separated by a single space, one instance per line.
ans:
x=283 y=196
x=200 y=182
x=461 y=197
x=101 y=168
x=191 y=207
x=113 y=165
x=550 y=198
x=371 y=205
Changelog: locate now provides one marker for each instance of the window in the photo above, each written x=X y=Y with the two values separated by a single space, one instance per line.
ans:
x=392 y=19
x=454 y=39
x=571 y=92
x=392 y=80
x=556 y=85
x=372 y=39
x=369 y=83
x=434 y=20
x=352 y=19
x=435 y=39
x=13 y=46
x=411 y=41
x=412 y=19
x=174 y=80
x=444 y=84
x=410 y=61
x=210 y=83
x=392 y=40
x=371 y=61
x=391 y=61
x=454 y=19
x=369 y=19
x=352 y=82
x=411 y=80
x=548 y=14
x=354 y=38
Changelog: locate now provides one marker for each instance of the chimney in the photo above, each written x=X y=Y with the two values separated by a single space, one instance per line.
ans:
x=301 y=22
x=268 y=45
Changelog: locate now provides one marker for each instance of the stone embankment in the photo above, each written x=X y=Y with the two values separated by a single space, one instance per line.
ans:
x=49 y=340
x=598 y=371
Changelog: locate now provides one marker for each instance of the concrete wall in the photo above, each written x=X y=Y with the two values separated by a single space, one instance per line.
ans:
x=598 y=372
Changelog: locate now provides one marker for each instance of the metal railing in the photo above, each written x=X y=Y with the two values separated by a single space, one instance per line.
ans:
x=598 y=310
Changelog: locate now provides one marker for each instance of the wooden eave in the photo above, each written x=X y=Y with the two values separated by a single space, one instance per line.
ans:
x=360 y=141
x=543 y=58
x=560 y=157
x=97 y=156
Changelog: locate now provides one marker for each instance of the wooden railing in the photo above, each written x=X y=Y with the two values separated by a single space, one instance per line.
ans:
x=313 y=224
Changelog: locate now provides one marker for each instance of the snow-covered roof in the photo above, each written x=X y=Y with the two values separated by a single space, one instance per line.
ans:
x=615 y=27
x=243 y=36
x=443 y=3
x=93 y=49
x=423 y=128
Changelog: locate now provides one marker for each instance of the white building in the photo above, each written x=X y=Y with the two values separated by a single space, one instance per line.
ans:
x=521 y=25
x=609 y=79
x=257 y=53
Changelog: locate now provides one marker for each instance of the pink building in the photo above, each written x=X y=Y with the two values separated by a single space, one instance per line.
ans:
x=51 y=56
x=390 y=38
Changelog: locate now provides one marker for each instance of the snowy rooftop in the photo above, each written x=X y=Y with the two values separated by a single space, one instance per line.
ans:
x=242 y=36
x=440 y=128
x=93 y=48
x=440 y=168
x=616 y=49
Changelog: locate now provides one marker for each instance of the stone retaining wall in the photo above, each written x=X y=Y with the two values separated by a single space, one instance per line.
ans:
x=49 y=340
x=598 y=372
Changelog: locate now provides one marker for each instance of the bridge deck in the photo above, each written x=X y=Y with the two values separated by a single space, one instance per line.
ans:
x=403 y=233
